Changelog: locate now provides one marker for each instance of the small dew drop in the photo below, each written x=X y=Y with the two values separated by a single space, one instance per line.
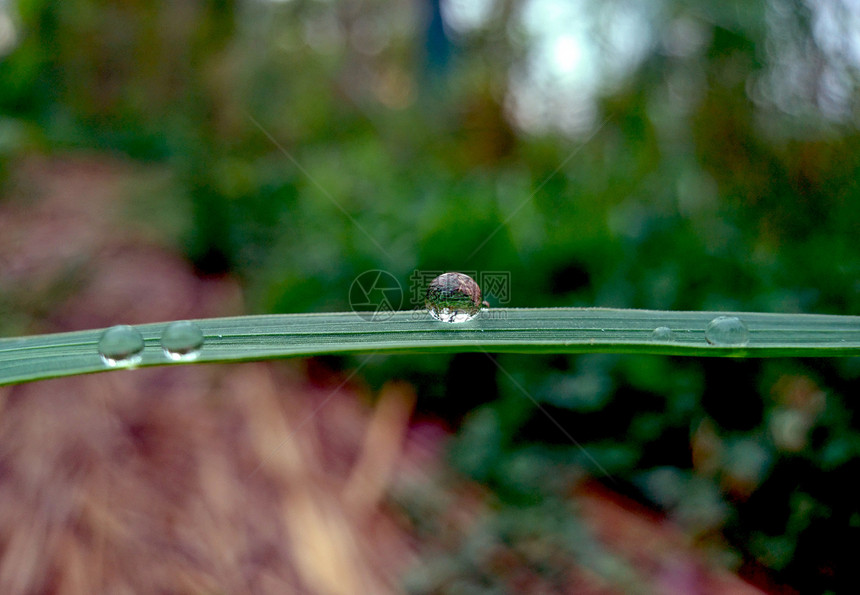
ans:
x=662 y=333
x=121 y=346
x=181 y=341
x=453 y=297
x=727 y=330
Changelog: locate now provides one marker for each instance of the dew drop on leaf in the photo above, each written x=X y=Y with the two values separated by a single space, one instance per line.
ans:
x=121 y=346
x=181 y=341
x=727 y=330
x=662 y=333
x=453 y=297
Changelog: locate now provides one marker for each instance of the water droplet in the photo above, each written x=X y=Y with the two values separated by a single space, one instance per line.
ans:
x=662 y=333
x=121 y=346
x=453 y=297
x=727 y=330
x=181 y=341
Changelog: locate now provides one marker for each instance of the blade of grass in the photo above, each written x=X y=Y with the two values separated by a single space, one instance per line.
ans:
x=551 y=330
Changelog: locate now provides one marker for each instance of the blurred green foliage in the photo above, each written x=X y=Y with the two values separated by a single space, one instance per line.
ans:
x=311 y=141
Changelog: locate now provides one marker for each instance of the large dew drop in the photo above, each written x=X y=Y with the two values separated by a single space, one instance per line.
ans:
x=727 y=330
x=121 y=346
x=181 y=341
x=453 y=297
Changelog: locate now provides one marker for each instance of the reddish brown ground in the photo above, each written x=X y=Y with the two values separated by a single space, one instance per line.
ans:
x=246 y=478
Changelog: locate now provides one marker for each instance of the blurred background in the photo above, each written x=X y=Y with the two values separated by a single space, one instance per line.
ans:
x=221 y=157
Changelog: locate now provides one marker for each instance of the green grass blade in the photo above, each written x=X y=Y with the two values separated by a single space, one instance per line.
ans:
x=553 y=330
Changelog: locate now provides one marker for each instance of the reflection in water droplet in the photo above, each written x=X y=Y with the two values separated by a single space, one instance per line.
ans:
x=181 y=341
x=727 y=330
x=662 y=333
x=121 y=346
x=453 y=297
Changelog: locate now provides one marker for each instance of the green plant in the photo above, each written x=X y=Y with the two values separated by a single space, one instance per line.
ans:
x=539 y=330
